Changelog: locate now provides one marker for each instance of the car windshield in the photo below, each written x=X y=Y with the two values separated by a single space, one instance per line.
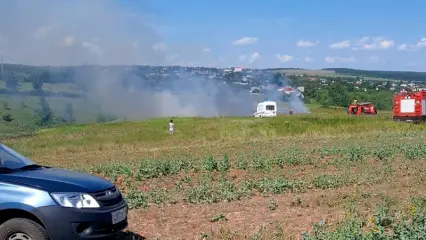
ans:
x=11 y=159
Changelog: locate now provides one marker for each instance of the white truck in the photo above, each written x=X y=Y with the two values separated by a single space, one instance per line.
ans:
x=266 y=109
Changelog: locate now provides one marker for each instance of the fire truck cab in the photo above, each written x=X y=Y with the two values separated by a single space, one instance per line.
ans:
x=362 y=108
x=409 y=106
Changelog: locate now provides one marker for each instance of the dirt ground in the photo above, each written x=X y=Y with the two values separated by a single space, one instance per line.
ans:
x=245 y=217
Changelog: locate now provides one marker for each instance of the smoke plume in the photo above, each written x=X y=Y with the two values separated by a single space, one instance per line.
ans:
x=292 y=99
x=104 y=32
x=183 y=96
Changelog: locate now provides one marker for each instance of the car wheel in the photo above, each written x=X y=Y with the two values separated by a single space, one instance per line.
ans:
x=22 y=229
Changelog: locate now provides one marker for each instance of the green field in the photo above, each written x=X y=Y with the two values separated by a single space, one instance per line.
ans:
x=252 y=178
x=329 y=73
x=307 y=72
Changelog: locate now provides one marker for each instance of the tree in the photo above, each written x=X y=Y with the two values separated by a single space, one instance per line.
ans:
x=38 y=81
x=338 y=95
x=322 y=97
x=382 y=100
x=388 y=85
x=11 y=81
x=45 y=115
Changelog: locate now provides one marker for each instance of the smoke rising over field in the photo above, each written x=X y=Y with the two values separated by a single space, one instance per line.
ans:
x=183 y=96
x=102 y=32
x=293 y=100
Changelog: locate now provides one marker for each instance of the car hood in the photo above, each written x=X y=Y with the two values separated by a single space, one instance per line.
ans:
x=58 y=180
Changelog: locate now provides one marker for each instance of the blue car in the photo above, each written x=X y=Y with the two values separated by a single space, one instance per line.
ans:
x=40 y=202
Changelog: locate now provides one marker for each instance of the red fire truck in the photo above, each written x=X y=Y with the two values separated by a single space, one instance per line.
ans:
x=409 y=106
x=362 y=108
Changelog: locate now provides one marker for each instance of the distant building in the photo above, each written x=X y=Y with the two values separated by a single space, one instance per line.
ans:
x=255 y=90
x=238 y=69
x=233 y=69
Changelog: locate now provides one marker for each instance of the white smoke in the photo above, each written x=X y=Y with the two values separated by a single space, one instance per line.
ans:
x=107 y=32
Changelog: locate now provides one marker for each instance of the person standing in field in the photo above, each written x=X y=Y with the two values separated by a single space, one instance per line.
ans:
x=171 y=127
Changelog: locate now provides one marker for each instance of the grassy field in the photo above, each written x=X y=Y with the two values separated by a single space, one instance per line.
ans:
x=329 y=73
x=327 y=174
x=307 y=72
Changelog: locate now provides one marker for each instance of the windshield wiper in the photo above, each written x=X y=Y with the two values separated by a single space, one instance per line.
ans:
x=6 y=170
x=28 y=167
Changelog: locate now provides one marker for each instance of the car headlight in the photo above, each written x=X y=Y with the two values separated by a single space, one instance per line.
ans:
x=75 y=200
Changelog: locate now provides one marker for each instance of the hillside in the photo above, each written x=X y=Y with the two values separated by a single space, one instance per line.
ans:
x=283 y=175
x=375 y=74
x=396 y=75
x=37 y=97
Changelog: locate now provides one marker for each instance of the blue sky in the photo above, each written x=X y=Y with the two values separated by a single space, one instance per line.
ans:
x=366 y=34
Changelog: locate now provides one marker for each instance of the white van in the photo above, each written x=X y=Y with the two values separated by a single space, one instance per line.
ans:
x=266 y=109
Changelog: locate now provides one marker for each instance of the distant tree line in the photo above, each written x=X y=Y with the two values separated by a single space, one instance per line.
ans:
x=341 y=92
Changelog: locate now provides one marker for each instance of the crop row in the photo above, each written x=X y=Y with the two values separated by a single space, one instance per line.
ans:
x=154 y=168
x=225 y=189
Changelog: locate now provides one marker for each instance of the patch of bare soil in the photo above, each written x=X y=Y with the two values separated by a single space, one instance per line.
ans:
x=295 y=212
x=183 y=221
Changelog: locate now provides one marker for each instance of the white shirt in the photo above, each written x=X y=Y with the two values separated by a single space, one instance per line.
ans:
x=171 y=125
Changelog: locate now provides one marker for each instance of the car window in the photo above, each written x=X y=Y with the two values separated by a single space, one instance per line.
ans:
x=11 y=159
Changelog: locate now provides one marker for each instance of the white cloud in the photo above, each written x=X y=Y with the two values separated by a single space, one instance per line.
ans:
x=308 y=59
x=43 y=31
x=413 y=47
x=245 y=41
x=303 y=43
x=284 y=58
x=385 y=44
x=160 y=46
x=339 y=59
x=375 y=59
x=421 y=43
x=364 y=39
x=373 y=43
x=253 y=57
x=402 y=47
x=250 y=58
x=340 y=45
x=94 y=48
x=206 y=50
x=68 y=41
